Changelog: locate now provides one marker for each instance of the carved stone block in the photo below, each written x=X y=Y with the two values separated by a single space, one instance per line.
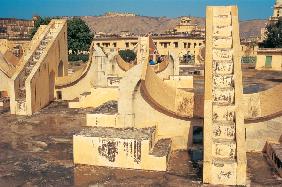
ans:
x=224 y=150
x=224 y=173
x=222 y=68
x=223 y=81
x=222 y=31
x=225 y=43
x=222 y=20
x=222 y=54
x=223 y=113
x=223 y=97
x=224 y=131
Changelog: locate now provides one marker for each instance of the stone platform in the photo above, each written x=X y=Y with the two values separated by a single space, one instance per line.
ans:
x=123 y=148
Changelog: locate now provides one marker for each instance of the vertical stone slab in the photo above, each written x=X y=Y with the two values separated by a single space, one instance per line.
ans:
x=224 y=139
x=128 y=84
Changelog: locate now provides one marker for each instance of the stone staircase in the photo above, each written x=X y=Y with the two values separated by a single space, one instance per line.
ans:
x=223 y=159
x=123 y=148
x=32 y=60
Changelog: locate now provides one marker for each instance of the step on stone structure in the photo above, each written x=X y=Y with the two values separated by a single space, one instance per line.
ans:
x=224 y=131
x=123 y=148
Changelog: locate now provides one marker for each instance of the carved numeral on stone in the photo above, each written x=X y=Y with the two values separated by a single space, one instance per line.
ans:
x=222 y=54
x=224 y=113
x=224 y=150
x=223 y=97
x=223 y=81
x=223 y=172
x=222 y=67
x=224 y=131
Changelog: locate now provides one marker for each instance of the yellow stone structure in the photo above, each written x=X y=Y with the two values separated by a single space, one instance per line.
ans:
x=158 y=109
x=224 y=133
x=33 y=83
x=140 y=106
x=99 y=80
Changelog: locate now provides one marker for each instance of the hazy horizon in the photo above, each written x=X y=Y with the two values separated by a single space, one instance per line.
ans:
x=24 y=9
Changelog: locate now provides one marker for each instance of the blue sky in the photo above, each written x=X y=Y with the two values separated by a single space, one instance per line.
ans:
x=248 y=9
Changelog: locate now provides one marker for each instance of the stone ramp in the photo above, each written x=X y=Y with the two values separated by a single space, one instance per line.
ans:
x=33 y=67
x=123 y=148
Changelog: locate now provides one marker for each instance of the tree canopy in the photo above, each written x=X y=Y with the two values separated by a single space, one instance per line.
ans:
x=38 y=22
x=79 y=35
x=127 y=55
x=273 y=35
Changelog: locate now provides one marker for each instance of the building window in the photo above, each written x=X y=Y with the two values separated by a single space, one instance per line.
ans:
x=189 y=45
x=200 y=44
x=98 y=44
x=195 y=44
x=185 y=45
x=176 y=44
x=106 y=44
x=115 y=44
x=127 y=45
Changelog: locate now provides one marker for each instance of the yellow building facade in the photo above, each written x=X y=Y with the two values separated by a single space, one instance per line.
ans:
x=269 y=59
x=176 y=44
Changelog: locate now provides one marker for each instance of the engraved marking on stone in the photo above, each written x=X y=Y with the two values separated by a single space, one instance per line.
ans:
x=223 y=113
x=222 y=68
x=224 y=132
x=224 y=150
x=222 y=42
x=223 y=81
x=222 y=31
x=223 y=96
x=222 y=54
x=225 y=175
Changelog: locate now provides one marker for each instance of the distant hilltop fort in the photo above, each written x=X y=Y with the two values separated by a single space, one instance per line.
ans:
x=115 y=14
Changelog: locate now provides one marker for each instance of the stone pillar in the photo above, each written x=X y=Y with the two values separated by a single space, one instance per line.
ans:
x=224 y=137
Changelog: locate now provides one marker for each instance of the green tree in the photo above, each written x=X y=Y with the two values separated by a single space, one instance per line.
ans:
x=273 y=35
x=38 y=22
x=79 y=35
x=127 y=55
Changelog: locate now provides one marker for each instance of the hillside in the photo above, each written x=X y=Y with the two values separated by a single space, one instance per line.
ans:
x=144 y=24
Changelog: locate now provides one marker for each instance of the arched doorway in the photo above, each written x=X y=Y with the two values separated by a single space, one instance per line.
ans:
x=51 y=85
x=61 y=69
